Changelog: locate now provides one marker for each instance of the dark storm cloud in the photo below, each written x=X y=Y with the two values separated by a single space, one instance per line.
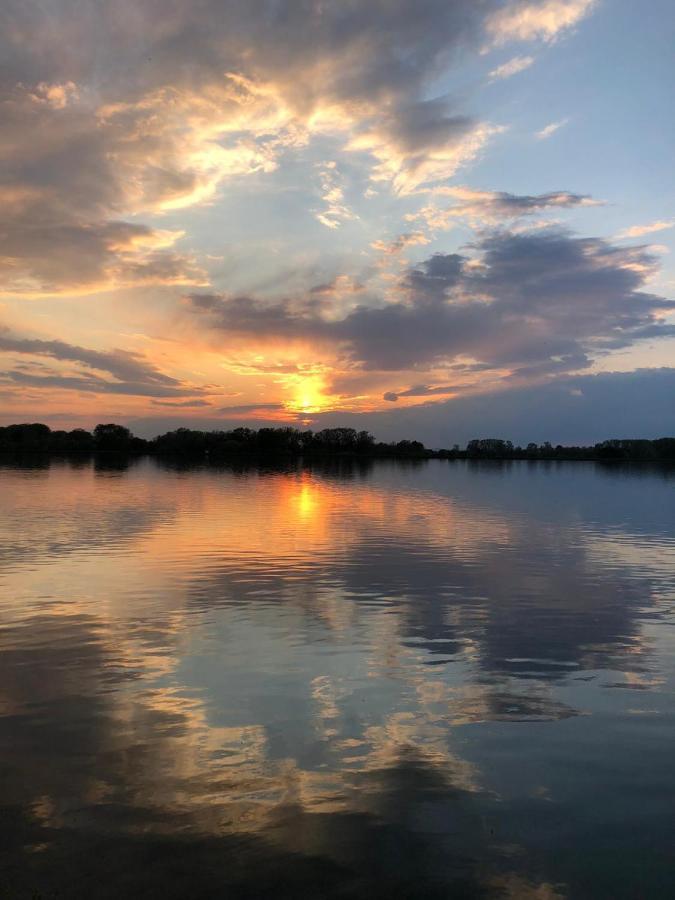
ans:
x=534 y=303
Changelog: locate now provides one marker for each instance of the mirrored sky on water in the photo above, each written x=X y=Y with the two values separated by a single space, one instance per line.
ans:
x=434 y=679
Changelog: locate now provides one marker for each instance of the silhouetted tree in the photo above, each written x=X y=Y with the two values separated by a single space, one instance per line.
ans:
x=112 y=438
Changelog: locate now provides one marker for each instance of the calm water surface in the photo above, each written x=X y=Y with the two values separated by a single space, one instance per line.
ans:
x=434 y=680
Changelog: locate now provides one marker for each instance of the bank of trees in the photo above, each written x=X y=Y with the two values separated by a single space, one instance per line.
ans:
x=287 y=441
x=36 y=437
x=627 y=449
x=281 y=441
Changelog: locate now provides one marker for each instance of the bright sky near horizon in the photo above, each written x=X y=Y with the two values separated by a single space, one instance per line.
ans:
x=323 y=211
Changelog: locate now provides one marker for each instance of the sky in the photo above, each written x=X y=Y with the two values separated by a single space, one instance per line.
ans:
x=440 y=219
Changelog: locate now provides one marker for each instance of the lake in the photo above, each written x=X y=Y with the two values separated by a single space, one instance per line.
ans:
x=340 y=679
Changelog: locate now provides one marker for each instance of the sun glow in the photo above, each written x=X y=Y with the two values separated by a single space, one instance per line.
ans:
x=309 y=396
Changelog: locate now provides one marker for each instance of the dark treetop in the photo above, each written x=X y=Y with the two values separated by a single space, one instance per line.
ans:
x=110 y=438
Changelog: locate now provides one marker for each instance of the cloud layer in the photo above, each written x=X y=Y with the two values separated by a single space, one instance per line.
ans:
x=130 y=109
x=531 y=303
x=132 y=374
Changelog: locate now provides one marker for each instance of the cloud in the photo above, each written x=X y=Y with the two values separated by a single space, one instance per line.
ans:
x=148 y=113
x=335 y=211
x=527 y=20
x=480 y=208
x=41 y=254
x=61 y=196
x=58 y=96
x=134 y=374
x=532 y=303
x=181 y=404
x=246 y=408
x=338 y=286
x=423 y=390
x=640 y=230
x=400 y=243
x=551 y=129
x=422 y=143
x=122 y=364
x=92 y=384
x=512 y=67
x=141 y=113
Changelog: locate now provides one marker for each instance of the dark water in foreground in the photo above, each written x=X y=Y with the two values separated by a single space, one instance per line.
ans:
x=433 y=680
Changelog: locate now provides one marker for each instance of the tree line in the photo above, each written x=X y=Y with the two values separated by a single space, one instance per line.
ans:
x=187 y=442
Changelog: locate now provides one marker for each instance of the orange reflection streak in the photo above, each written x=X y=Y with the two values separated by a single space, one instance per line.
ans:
x=307 y=502
x=167 y=532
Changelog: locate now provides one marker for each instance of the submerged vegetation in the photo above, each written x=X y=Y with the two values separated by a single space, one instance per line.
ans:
x=186 y=442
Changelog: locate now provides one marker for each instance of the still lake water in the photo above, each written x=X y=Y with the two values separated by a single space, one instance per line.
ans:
x=388 y=680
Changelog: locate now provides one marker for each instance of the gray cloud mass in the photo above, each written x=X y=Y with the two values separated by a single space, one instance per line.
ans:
x=534 y=303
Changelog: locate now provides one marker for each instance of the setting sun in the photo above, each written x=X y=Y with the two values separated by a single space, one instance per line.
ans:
x=309 y=397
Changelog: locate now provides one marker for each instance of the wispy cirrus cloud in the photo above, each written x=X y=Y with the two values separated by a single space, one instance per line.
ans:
x=182 y=404
x=548 y=130
x=422 y=143
x=335 y=211
x=511 y=67
x=635 y=231
x=527 y=20
x=396 y=246
x=423 y=390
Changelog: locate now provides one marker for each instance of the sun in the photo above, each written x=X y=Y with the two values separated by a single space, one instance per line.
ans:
x=309 y=396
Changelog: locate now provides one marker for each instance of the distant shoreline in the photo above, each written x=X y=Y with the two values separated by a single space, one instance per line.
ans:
x=287 y=442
